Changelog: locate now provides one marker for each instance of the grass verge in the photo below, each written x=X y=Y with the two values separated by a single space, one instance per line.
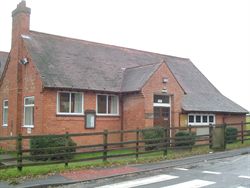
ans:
x=14 y=176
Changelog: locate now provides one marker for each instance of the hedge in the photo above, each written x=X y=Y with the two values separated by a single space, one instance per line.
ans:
x=50 y=141
x=156 y=133
x=231 y=135
x=183 y=138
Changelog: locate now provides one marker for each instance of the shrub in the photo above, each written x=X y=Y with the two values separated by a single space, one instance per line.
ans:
x=231 y=134
x=50 y=141
x=183 y=138
x=156 y=133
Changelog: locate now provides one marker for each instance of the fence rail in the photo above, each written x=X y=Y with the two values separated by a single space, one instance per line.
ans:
x=25 y=155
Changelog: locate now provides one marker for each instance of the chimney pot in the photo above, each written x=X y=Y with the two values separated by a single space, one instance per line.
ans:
x=21 y=7
x=20 y=21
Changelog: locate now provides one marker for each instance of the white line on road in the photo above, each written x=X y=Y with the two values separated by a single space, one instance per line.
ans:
x=210 y=172
x=140 y=182
x=192 y=184
x=183 y=169
x=247 y=177
x=237 y=159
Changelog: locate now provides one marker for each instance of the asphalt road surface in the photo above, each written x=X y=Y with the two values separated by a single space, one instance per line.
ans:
x=233 y=172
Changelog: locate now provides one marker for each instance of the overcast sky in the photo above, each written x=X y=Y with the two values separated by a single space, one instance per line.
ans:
x=214 y=34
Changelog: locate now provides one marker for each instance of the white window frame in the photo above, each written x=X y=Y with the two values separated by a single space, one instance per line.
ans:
x=163 y=104
x=4 y=107
x=201 y=123
x=68 y=113
x=29 y=105
x=107 y=114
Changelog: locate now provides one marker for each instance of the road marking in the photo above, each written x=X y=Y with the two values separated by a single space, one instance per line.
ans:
x=247 y=177
x=210 y=172
x=237 y=159
x=140 y=182
x=241 y=187
x=191 y=184
x=183 y=169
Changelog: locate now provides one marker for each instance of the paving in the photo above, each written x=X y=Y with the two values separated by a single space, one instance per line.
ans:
x=100 y=173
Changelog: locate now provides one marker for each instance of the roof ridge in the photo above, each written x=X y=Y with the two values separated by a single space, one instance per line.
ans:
x=108 y=45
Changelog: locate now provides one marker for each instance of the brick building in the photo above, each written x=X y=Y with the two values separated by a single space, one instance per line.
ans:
x=52 y=84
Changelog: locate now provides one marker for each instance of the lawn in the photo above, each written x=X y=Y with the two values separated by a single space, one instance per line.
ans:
x=248 y=119
x=13 y=175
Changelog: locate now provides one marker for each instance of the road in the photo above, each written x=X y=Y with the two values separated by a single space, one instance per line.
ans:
x=233 y=172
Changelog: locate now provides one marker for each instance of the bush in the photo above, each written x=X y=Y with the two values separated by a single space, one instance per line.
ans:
x=184 y=139
x=231 y=135
x=156 y=133
x=50 y=141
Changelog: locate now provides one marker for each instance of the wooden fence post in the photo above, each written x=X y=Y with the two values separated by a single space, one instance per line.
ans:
x=19 y=152
x=190 y=136
x=225 y=136
x=67 y=150
x=137 y=143
x=242 y=132
x=210 y=136
x=105 y=145
x=165 y=141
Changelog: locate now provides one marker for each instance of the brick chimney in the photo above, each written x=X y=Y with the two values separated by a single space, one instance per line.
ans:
x=20 y=25
x=20 y=21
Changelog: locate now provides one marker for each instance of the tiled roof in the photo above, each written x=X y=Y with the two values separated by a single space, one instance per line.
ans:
x=134 y=78
x=70 y=63
x=3 y=59
x=210 y=102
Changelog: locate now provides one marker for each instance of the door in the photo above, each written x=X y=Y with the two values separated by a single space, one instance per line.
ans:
x=162 y=117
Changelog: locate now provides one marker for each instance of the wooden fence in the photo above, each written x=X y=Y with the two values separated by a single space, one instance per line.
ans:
x=22 y=156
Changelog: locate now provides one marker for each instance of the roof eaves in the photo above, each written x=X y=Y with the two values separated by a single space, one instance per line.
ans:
x=5 y=68
x=214 y=111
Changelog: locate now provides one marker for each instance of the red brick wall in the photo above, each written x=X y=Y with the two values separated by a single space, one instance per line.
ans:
x=155 y=85
x=133 y=114
x=230 y=118
x=59 y=124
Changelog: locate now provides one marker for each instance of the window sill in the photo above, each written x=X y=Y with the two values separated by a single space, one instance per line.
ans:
x=28 y=126
x=5 y=125
x=89 y=127
x=201 y=124
x=107 y=115
x=69 y=115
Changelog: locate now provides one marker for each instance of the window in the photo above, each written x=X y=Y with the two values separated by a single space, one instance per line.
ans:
x=69 y=103
x=198 y=119
x=5 y=112
x=204 y=119
x=29 y=112
x=191 y=118
x=161 y=99
x=201 y=119
x=211 y=119
x=107 y=104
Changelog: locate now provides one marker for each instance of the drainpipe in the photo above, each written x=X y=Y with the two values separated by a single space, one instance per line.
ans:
x=121 y=117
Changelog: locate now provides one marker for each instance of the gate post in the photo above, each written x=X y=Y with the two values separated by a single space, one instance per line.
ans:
x=105 y=145
x=165 y=141
x=242 y=132
x=19 y=152
x=210 y=136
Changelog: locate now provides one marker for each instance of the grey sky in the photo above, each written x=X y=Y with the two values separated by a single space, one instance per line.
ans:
x=214 y=34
